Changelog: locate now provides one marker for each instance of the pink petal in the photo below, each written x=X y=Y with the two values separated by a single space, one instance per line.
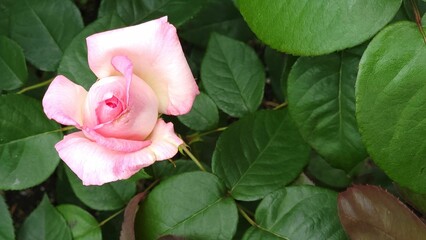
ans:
x=165 y=142
x=99 y=92
x=63 y=102
x=96 y=164
x=139 y=117
x=125 y=67
x=155 y=51
x=116 y=144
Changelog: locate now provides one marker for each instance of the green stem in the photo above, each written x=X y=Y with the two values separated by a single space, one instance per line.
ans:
x=193 y=158
x=110 y=217
x=198 y=135
x=254 y=224
x=38 y=85
x=246 y=216
x=418 y=19
x=282 y=105
x=64 y=129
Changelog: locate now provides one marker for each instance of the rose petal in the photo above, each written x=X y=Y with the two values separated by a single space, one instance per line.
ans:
x=125 y=67
x=63 y=102
x=165 y=142
x=99 y=92
x=139 y=116
x=116 y=144
x=157 y=57
x=96 y=164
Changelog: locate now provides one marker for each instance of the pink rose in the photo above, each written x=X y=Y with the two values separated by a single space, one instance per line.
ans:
x=142 y=72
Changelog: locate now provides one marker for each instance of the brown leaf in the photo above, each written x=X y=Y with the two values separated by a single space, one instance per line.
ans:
x=127 y=228
x=369 y=212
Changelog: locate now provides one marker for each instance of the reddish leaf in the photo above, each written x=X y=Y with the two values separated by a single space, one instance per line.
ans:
x=127 y=228
x=369 y=212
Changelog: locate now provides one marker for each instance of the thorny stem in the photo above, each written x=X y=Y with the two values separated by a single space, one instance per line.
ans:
x=193 y=158
x=38 y=85
x=418 y=19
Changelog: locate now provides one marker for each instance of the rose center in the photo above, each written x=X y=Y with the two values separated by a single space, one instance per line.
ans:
x=109 y=109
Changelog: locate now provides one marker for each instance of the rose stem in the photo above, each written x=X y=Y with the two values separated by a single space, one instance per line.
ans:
x=193 y=158
x=38 y=85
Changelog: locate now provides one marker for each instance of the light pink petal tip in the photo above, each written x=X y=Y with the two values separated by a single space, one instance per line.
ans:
x=157 y=57
x=95 y=164
x=63 y=101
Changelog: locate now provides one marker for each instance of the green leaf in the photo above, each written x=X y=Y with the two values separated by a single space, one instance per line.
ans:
x=416 y=200
x=326 y=174
x=308 y=28
x=186 y=205
x=408 y=7
x=83 y=225
x=278 y=65
x=12 y=65
x=390 y=99
x=229 y=23
x=302 y=212
x=6 y=225
x=27 y=139
x=44 y=223
x=321 y=100
x=137 y=11
x=203 y=115
x=233 y=76
x=369 y=212
x=114 y=195
x=165 y=169
x=259 y=153
x=34 y=25
x=4 y=16
x=74 y=64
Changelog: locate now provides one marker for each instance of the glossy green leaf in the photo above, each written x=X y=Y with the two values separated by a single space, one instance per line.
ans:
x=259 y=153
x=390 y=98
x=369 y=212
x=12 y=65
x=165 y=169
x=233 y=76
x=27 y=139
x=203 y=115
x=186 y=205
x=137 y=11
x=44 y=223
x=326 y=174
x=308 y=28
x=301 y=212
x=34 y=25
x=321 y=98
x=229 y=23
x=74 y=64
x=83 y=226
x=114 y=195
x=6 y=225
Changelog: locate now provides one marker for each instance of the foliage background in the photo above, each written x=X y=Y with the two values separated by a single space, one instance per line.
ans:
x=300 y=100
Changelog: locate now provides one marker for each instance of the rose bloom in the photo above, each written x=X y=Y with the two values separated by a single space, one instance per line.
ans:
x=142 y=71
